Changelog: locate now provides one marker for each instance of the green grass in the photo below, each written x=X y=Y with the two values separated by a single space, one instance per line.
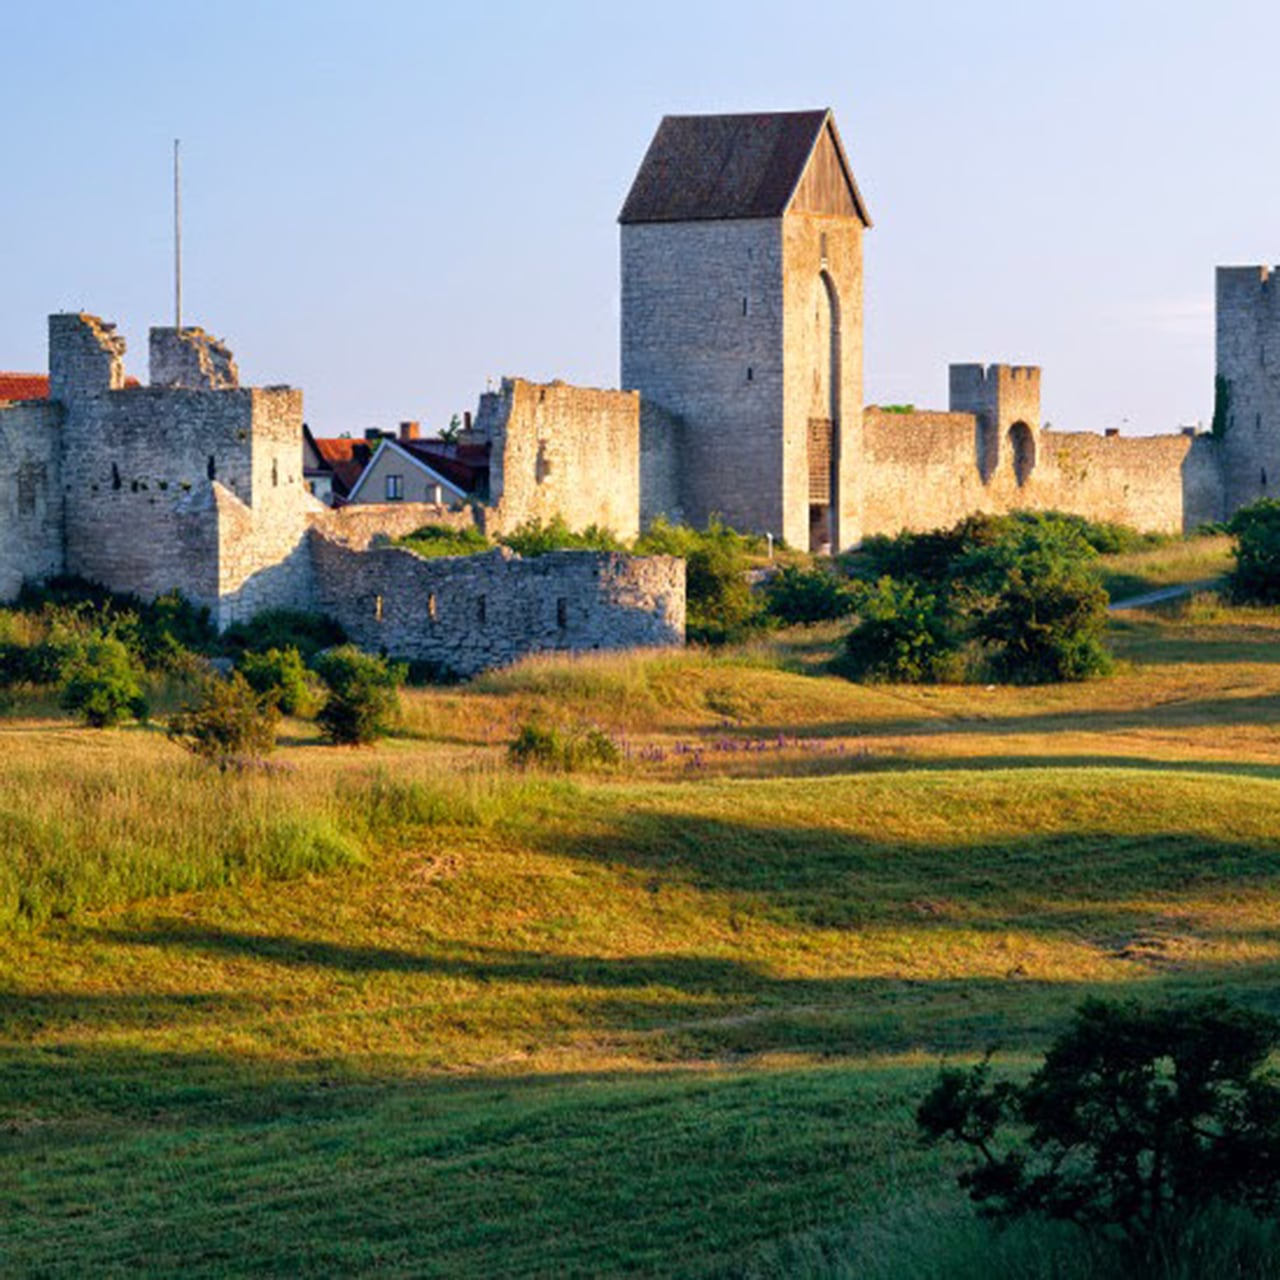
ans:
x=1189 y=560
x=405 y=1010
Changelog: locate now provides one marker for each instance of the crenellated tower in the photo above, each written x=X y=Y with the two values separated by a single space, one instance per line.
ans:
x=1246 y=416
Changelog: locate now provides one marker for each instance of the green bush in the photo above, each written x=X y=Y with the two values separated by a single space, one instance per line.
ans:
x=1033 y=600
x=227 y=721
x=309 y=633
x=536 y=538
x=434 y=540
x=551 y=748
x=904 y=634
x=102 y=683
x=1021 y=585
x=362 y=696
x=796 y=595
x=1137 y=1123
x=1256 y=577
x=160 y=633
x=281 y=674
x=721 y=607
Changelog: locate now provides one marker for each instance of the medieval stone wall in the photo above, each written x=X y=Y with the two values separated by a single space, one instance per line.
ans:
x=702 y=337
x=363 y=524
x=31 y=495
x=467 y=613
x=924 y=473
x=563 y=450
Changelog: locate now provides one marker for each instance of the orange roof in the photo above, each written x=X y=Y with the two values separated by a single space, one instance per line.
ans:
x=24 y=386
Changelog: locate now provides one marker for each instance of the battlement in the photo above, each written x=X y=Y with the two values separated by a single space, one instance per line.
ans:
x=86 y=356
x=191 y=359
x=1257 y=279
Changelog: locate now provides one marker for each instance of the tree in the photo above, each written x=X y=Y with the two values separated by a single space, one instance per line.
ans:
x=1138 y=1120
x=102 y=682
x=362 y=694
x=904 y=633
x=1257 y=532
x=227 y=721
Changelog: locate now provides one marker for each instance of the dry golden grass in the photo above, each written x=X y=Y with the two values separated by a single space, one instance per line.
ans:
x=410 y=979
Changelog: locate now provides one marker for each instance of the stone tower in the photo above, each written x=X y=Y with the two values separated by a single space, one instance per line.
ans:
x=742 y=318
x=1247 y=387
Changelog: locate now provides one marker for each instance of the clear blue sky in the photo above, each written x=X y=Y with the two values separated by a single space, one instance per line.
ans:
x=388 y=203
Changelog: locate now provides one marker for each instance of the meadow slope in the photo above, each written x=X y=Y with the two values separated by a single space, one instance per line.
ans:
x=404 y=1010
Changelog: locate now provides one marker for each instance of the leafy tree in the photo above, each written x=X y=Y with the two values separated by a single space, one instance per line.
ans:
x=227 y=721
x=362 y=696
x=281 y=674
x=721 y=607
x=1137 y=1121
x=904 y=633
x=796 y=595
x=102 y=683
x=1257 y=533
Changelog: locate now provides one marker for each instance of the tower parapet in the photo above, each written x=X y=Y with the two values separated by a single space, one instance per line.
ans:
x=1000 y=396
x=86 y=356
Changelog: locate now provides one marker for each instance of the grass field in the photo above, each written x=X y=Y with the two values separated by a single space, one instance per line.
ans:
x=404 y=1010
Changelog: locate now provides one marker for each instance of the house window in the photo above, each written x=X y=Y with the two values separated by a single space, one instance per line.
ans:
x=435 y=494
x=395 y=488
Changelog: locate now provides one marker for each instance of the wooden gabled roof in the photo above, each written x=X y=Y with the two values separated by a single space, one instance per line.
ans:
x=701 y=168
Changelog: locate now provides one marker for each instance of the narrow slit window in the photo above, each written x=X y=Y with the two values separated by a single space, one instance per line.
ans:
x=377 y=608
x=744 y=306
x=562 y=613
x=750 y=373
x=482 y=610
x=211 y=468
x=433 y=611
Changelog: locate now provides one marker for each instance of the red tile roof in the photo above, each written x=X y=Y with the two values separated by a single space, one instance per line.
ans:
x=24 y=386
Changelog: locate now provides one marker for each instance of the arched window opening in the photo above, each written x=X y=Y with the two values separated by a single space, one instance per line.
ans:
x=1022 y=445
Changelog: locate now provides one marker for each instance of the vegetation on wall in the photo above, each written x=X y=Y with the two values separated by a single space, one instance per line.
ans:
x=1221 y=405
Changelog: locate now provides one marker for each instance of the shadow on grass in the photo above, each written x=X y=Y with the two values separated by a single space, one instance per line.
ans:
x=1180 y=713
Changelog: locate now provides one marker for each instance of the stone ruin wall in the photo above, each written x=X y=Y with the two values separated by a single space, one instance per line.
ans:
x=465 y=614
x=923 y=472
x=562 y=450
x=31 y=494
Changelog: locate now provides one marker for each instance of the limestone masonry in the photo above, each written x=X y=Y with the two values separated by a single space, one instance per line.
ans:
x=741 y=346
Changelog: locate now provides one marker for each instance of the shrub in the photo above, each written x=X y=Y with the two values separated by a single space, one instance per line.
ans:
x=362 y=694
x=441 y=540
x=281 y=675
x=102 y=683
x=1138 y=1121
x=552 y=748
x=1256 y=577
x=721 y=607
x=1034 y=601
x=904 y=634
x=796 y=595
x=161 y=633
x=536 y=538
x=227 y=721
x=309 y=633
